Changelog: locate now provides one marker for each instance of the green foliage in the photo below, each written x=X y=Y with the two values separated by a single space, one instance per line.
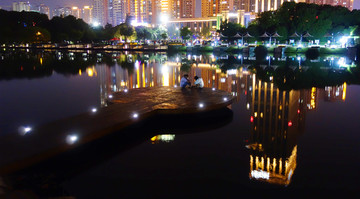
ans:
x=205 y=32
x=185 y=33
x=301 y=17
x=164 y=35
x=125 y=30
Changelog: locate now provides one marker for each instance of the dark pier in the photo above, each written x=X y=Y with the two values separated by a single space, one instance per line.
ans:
x=21 y=150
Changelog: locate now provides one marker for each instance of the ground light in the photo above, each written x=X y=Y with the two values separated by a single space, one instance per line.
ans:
x=23 y=130
x=71 y=139
x=135 y=115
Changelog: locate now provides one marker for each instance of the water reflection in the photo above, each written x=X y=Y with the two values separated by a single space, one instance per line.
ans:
x=278 y=92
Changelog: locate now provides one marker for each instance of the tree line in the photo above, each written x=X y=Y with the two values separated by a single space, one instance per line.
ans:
x=32 y=27
x=291 y=17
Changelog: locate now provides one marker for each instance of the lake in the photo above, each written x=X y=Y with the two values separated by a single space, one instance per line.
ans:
x=292 y=130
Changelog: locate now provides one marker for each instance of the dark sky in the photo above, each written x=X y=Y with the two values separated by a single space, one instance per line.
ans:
x=54 y=3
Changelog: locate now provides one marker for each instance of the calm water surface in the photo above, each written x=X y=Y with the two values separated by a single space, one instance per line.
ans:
x=290 y=142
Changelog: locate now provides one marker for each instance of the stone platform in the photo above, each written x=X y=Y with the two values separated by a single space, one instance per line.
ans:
x=21 y=150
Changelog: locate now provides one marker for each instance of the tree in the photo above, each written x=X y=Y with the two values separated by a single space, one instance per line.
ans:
x=205 y=32
x=126 y=30
x=143 y=33
x=185 y=33
x=164 y=35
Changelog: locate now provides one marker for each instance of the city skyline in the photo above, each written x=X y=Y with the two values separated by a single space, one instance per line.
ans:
x=6 y=4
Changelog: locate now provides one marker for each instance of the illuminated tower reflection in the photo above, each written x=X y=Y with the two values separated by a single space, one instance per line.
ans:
x=276 y=121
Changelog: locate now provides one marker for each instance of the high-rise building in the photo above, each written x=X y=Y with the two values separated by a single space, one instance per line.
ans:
x=187 y=8
x=211 y=8
x=21 y=6
x=258 y=6
x=87 y=14
x=44 y=10
x=62 y=12
x=100 y=17
x=345 y=3
x=75 y=11
x=117 y=12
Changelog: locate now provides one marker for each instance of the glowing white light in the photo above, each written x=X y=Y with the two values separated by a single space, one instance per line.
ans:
x=343 y=40
x=110 y=96
x=164 y=69
x=213 y=89
x=247 y=106
x=125 y=90
x=225 y=98
x=164 y=18
x=135 y=115
x=23 y=130
x=298 y=58
x=94 y=110
x=201 y=105
x=95 y=24
x=260 y=174
x=71 y=139
x=231 y=72
x=175 y=86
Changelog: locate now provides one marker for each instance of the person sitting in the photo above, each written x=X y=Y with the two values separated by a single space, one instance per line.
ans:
x=185 y=81
x=199 y=83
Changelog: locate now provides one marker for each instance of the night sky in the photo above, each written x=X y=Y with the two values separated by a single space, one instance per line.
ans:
x=55 y=3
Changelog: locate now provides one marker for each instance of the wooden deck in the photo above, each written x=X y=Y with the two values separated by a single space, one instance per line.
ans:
x=19 y=151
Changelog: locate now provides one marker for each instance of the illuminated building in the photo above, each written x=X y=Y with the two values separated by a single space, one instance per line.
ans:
x=100 y=12
x=275 y=120
x=87 y=14
x=210 y=8
x=75 y=11
x=62 y=12
x=187 y=8
x=44 y=10
x=141 y=10
x=21 y=6
x=344 y=3
x=258 y=6
x=118 y=11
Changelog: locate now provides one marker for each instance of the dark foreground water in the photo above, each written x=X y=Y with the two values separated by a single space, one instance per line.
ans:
x=301 y=139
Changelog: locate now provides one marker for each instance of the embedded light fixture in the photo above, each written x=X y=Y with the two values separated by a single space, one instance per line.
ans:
x=71 y=139
x=111 y=96
x=135 y=115
x=201 y=105
x=225 y=99
x=94 y=110
x=23 y=130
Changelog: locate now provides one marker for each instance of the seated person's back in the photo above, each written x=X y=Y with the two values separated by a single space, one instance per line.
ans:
x=199 y=82
x=184 y=81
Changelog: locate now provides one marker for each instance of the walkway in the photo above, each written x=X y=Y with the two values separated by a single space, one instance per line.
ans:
x=20 y=150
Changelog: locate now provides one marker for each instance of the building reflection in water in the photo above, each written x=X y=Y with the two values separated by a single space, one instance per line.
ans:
x=162 y=138
x=152 y=73
x=277 y=117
